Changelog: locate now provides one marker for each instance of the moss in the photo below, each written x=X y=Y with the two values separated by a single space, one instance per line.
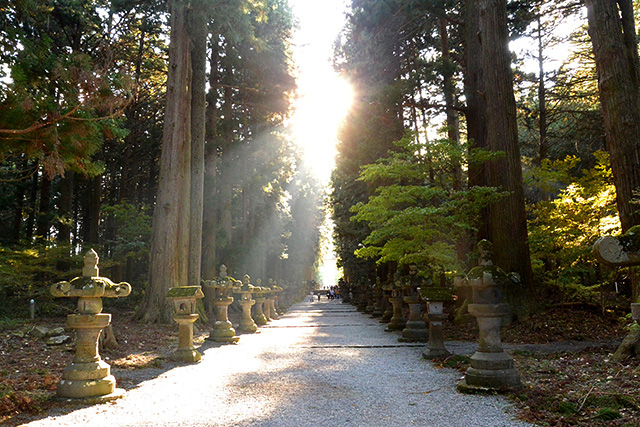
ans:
x=436 y=293
x=183 y=292
x=630 y=240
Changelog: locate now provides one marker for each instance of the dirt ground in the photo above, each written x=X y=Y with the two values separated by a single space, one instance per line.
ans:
x=560 y=389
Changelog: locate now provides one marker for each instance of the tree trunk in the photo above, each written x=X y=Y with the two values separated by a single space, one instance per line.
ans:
x=542 y=102
x=508 y=228
x=616 y=53
x=476 y=105
x=33 y=198
x=43 y=222
x=210 y=217
x=198 y=35
x=170 y=240
x=453 y=123
x=65 y=210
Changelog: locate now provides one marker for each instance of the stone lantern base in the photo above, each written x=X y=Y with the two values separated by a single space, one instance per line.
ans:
x=491 y=368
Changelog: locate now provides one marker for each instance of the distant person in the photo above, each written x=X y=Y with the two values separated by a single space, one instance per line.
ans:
x=311 y=296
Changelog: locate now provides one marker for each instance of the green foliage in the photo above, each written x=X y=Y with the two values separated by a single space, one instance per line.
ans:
x=413 y=218
x=127 y=237
x=27 y=273
x=562 y=231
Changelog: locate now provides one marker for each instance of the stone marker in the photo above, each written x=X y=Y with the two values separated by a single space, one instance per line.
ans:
x=491 y=368
x=184 y=304
x=623 y=251
x=89 y=377
x=219 y=291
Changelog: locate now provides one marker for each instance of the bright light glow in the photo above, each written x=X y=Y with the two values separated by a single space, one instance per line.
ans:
x=322 y=103
x=318 y=114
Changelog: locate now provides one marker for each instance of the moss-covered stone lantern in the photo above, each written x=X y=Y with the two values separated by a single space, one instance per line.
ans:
x=491 y=368
x=259 y=295
x=219 y=291
x=184 y=300
x=89 y=377
x=247 y=324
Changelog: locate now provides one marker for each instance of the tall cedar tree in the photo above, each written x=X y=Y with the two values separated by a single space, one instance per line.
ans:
x=507 y=219
x=169 y=258
x=612 y=31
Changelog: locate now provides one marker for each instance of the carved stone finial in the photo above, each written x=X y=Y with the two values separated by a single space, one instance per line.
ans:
x=90 y=268
x=485 y=248
x=246 y=280
x=259 y=282
x=223 y=271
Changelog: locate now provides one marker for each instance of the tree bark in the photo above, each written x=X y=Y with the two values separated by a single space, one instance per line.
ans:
x=198 y=35
x=210 y=216
x=476 y=110
x=170 y=240
x=611 y=27
x=65 y=210
x=43 y=222
x=508 y=228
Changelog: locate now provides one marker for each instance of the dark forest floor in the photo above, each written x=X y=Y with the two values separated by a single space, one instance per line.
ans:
x=565 y=388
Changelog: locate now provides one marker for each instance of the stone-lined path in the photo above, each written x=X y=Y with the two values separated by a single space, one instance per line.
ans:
x=321 y=364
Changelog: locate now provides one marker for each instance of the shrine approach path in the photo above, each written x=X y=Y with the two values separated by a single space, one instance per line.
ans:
x=321 y=364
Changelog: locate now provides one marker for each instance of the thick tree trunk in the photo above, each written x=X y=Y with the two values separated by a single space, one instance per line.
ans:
x=198 y=35
x=453 y=123
x=210 y=217
x=508 y=228
x=170 y=241
x=616 y=53
x=476 y=105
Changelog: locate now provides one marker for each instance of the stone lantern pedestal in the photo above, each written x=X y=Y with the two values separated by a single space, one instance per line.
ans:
x=89 y=377
x=247 y=324
x=491 y=368
x=220 y=299
x=184 y=302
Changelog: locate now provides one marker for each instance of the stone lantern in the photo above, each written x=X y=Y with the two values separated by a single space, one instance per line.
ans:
x=378 y=298
x=275 y=298
x=247 y=324
x=435 y=297
x=219 y=291
x=491 y=368
x=623 y=251
x=184 y=303
x=258 y=313
x=397 y=322
x=415 y=329
x=89 y=377
x=387 y=313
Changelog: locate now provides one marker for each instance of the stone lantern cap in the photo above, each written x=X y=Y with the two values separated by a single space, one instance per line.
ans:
x=621 y=251
x=223 y=284
x=184 y=298
x=90 y=287
x=486 y=279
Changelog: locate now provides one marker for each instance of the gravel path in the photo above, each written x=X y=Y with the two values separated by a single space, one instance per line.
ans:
x=321 y=364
